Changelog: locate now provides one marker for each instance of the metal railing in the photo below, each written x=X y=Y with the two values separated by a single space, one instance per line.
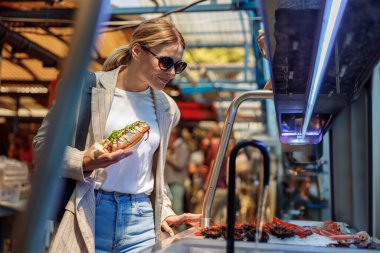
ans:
x=230 y=119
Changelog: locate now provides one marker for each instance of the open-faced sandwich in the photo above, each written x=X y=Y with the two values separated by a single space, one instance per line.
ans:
x=126 y=138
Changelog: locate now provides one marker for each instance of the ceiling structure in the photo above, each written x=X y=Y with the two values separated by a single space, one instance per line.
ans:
x=36 y=37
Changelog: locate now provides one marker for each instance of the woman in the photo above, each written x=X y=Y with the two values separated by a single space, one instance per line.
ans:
x=110 y=209
x=261 y=43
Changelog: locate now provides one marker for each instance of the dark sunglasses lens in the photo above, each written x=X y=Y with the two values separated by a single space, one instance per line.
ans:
x=180 y=66
x=165 y=63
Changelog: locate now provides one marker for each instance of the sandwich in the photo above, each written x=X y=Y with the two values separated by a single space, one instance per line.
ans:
x=126 y=138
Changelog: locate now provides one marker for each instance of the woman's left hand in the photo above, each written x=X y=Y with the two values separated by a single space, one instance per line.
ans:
x=175 y=220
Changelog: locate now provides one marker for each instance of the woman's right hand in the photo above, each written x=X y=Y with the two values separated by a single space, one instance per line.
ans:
x=95 y=158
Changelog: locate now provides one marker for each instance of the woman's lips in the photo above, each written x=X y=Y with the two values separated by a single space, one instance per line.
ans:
x=163 y=80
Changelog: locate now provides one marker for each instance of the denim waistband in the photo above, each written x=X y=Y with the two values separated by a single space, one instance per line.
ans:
x=119 y=195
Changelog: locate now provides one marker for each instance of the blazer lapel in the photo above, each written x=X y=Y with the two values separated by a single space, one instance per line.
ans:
x=100 y=106
x=101 y=101
x=164 y=120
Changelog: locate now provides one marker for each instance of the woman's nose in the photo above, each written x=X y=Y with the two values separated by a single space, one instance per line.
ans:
x=171 y=71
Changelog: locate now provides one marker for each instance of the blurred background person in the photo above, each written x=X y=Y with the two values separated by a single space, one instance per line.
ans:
x=20 y=148
x=177 y=160
x=197 y=170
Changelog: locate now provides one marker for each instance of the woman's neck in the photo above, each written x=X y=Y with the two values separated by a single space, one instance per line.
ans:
x=130 y=79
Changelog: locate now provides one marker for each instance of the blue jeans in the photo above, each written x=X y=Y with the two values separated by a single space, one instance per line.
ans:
x=123 y=222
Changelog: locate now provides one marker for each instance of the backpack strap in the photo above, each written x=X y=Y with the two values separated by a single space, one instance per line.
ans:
x=85 y=112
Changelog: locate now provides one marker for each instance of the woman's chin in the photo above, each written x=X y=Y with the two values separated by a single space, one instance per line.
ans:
x=160 y=85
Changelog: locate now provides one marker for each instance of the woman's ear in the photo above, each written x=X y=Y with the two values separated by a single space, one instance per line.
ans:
x=136 y=50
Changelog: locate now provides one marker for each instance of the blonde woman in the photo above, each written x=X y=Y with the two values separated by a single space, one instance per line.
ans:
x=120 y=203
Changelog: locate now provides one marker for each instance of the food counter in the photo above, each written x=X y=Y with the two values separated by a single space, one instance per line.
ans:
x=189 y=241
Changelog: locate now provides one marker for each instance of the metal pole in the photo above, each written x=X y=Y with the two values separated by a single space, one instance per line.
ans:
x=31 y=224
x=227 y=128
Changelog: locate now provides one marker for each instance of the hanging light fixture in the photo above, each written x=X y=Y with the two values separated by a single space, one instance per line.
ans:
x=331 y=19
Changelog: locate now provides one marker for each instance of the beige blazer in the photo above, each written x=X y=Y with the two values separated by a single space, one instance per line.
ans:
x=76 y=230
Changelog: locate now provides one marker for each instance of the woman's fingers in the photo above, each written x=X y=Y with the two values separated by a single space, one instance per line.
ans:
x=95 y=158
x=191 y=219
x=261 y=43
x=175 y=220
x=117 y=155
x=165 y=227
x=107 y=159
x=193 y=224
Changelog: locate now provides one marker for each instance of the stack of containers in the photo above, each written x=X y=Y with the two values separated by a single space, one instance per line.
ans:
x=14 y=177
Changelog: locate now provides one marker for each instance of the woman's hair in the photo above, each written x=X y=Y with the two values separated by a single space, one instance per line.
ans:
x=149 y=34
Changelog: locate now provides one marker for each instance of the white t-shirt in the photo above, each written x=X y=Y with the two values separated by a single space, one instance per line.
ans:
x=132 y=174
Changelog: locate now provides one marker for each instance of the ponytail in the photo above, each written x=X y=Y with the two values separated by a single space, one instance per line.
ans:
x=149 y=34
x=120 y=56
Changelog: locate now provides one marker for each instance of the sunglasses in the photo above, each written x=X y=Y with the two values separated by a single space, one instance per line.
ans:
x=165 y=63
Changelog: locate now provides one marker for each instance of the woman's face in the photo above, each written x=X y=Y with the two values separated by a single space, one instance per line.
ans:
x=156 y=77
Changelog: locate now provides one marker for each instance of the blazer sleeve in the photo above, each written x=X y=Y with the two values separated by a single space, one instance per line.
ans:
x=167 y=204
x=73 y=158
